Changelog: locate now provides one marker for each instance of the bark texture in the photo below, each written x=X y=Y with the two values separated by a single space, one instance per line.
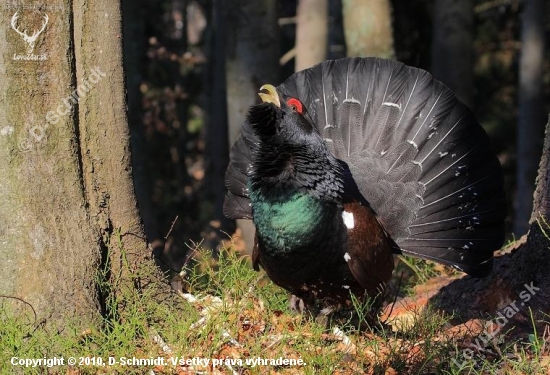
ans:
x=49 y=251
x=311 y=33
x=368 y=28
x=104 y=139
x=66 y=184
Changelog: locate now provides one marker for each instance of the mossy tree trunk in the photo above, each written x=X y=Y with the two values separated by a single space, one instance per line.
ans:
x=66 y=189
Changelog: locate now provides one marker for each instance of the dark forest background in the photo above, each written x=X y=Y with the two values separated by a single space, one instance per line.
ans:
x=193 y=67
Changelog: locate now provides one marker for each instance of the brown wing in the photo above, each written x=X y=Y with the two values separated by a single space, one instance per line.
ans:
x=369 y=255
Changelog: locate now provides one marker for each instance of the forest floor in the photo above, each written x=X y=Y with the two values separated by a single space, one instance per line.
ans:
x=228 y=319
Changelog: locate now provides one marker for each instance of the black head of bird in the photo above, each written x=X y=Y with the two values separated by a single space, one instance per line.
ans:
x=292 y=156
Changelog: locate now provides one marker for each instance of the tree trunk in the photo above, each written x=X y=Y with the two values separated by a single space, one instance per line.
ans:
x=65 y=181
x=541 y=201
x=336 y=38
x=252 y=53
x=538 y=240
x=368 y=28
x=216 y=132
x=311 y=33
x=452 y=47
x=531 y=109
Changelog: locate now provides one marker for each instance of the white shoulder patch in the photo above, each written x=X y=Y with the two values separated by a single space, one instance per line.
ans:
x=347 y=257
x=349 y=222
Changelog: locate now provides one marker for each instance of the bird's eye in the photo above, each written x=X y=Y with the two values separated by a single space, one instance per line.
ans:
x=295 y=104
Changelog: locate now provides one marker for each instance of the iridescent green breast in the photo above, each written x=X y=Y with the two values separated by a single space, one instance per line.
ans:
x=287 y=222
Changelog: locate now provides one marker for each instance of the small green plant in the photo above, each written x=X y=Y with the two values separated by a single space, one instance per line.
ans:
x=543 y=225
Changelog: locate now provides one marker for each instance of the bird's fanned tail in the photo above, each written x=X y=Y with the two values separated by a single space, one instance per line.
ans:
x=416 y=154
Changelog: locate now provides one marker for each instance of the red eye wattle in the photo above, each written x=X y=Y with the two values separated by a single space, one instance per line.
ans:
x=295 y=104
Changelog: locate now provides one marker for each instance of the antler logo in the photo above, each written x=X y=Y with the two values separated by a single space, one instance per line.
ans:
x=30 y=40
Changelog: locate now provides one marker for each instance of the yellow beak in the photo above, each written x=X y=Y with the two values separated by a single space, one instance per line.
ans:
x=271 y=96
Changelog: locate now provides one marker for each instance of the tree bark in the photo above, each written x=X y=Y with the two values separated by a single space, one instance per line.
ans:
x=336 y=38
x=538 y=240
x=531 y=109
x=252 y=59
x=66 y=184
x=368 y=28
x=216 y=132
x=311 y=33
x=541 y=201
x=452 y=47
x=104 y=135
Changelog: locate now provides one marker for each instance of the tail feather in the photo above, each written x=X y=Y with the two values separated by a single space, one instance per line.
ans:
x=235 y=207
x=387 y=116
x=237 y=204
x=416 y=154
x=350 y=119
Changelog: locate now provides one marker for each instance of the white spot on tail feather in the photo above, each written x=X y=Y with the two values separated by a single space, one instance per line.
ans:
x=347 y=258
x=351 y=101
x=419 y=165
x=389 y=104
x=349 y=221
x=413 y=143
